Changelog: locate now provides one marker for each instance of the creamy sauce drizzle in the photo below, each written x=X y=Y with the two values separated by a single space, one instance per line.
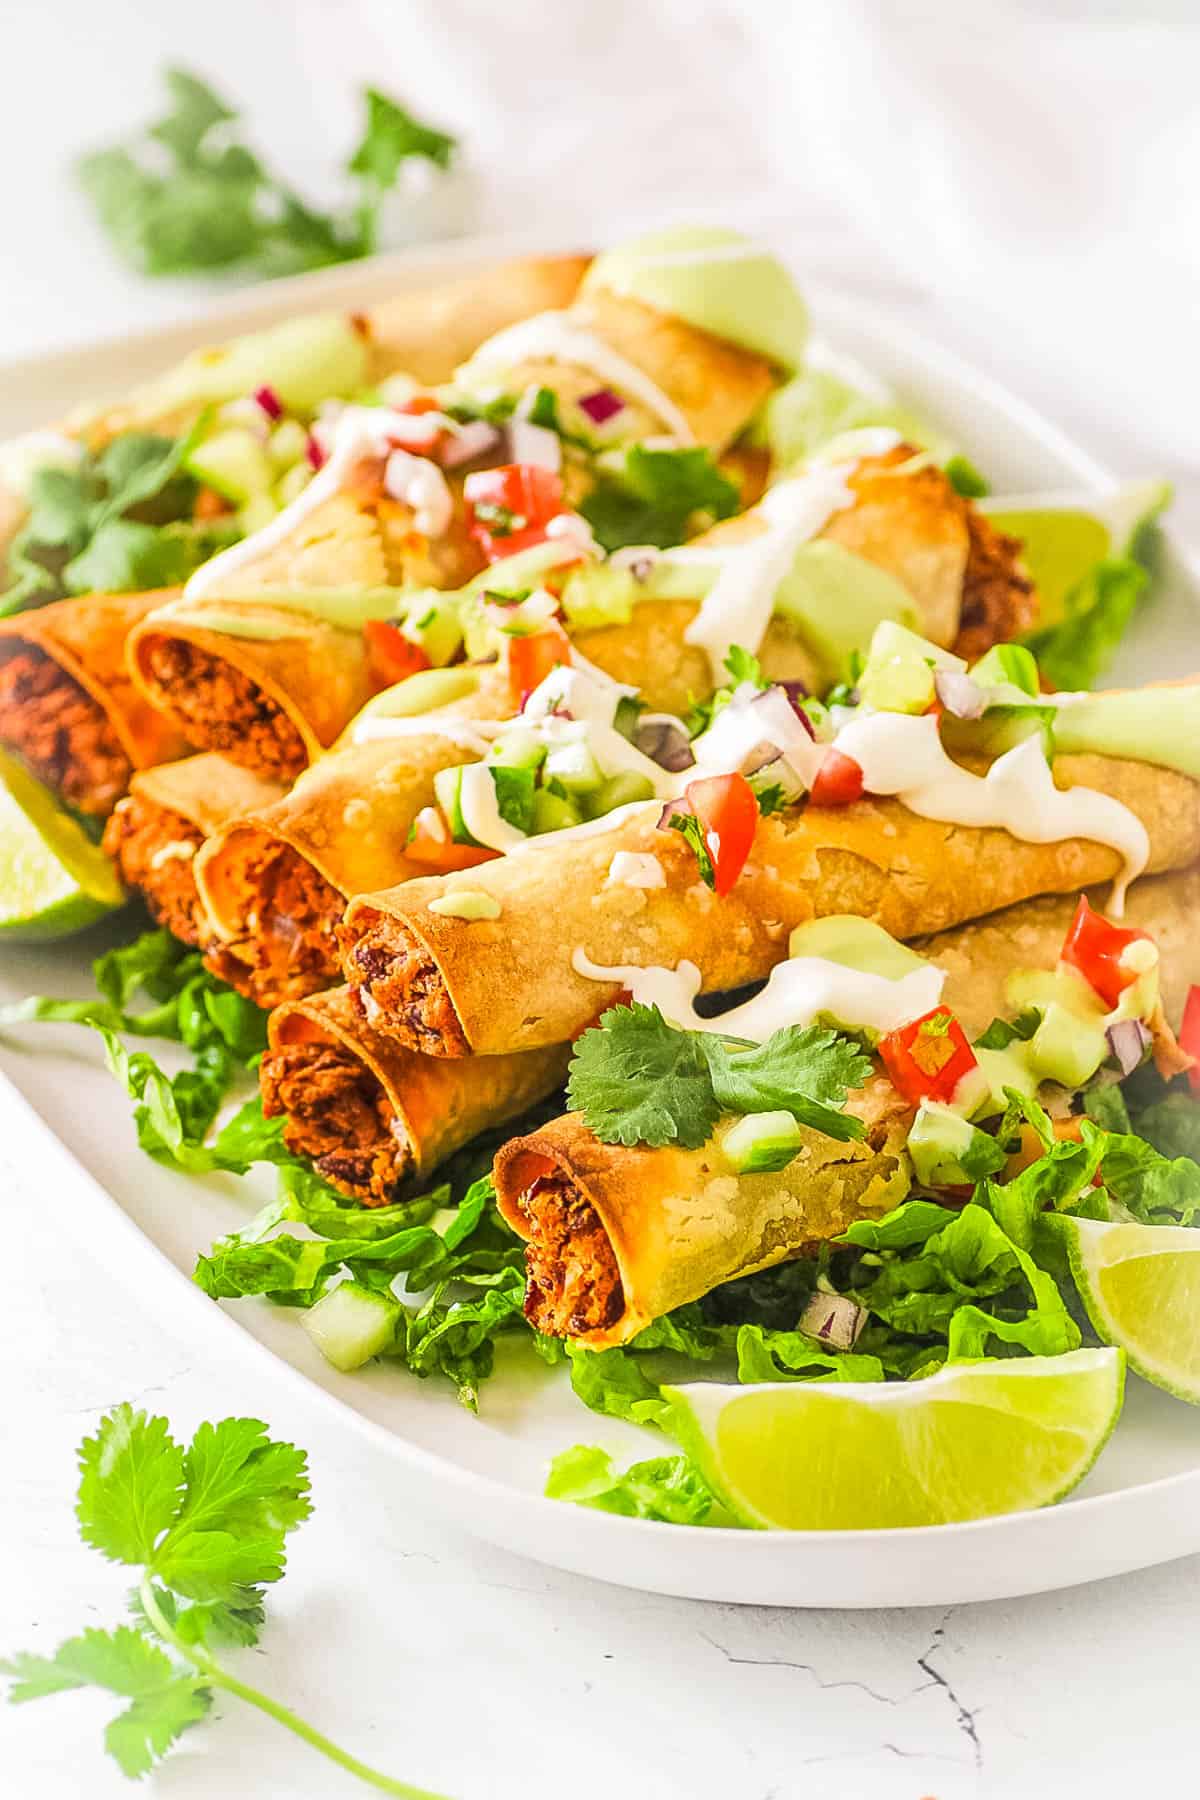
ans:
x=800 y=990
x=360 y=432
x=738 y=606
x=635 y=869
x=904 y=756
x=555 y=337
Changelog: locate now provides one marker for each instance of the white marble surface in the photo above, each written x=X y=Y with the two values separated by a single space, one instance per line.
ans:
x=451 y=1664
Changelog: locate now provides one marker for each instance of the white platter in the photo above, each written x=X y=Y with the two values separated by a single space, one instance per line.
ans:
x=60 y=1110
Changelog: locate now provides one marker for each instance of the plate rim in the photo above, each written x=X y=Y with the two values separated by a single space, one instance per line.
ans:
x=240 y=311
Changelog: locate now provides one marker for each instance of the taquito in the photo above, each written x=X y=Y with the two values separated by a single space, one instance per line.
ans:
x=156 y=831
x=454 y=987
x=373 y=1116
x=275 y=880
x=68 y=708
x=617 y=1237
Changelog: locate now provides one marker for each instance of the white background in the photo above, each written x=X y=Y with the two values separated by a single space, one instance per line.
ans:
x=1017 y=180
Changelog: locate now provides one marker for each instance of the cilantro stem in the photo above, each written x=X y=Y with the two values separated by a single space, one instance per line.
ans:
x=215 y=1676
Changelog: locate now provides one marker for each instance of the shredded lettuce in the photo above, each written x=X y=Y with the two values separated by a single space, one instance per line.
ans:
x=667 y=1488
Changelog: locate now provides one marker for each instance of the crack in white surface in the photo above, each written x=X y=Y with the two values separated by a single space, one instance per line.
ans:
x=964 y=1716
x=784 y=1662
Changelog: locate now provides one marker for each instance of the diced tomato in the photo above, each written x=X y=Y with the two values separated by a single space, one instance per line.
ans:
x=509 y=508
x=1189 y=1035
x=839 y=781
x=210 y=505
x=928 y=1057
x=436 y=850
x=390 y=654
x=1096 y=948
x=530 y=659
x=727 y=810
x=419 y=403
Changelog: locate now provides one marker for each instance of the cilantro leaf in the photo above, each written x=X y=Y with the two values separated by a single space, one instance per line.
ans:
x=964 y=477
x=131 y=1477
x=1003 y=1032
x=693 y=833
x=804 y=1070
x=185 y=197
x=140 y=1736
x=637 y=1080
x=650 y=496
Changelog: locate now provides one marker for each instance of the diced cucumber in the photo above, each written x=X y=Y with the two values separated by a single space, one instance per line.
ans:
x=553 y=812
x=595 y=597
x=287 y=444
x=292 y=483
x=518 y=749
x=351 y=1324
x=447 y=788
x=1067 y=1048
x=575 y=767
x=892 y=641
x=1007 y=665
x=234 y=463
x=436 y=629
x=619 y=790
x=901 y=685
x=948 y=1151
x=762 y=1142
x=258 y=511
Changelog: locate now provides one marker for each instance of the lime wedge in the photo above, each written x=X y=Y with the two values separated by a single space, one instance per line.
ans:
x=53 y=879
x=1141 y=1287
x=974 y=1439
x=1064 y=535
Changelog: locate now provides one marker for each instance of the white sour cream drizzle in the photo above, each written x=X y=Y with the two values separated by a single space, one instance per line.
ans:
x=904 y=756
x=555 y=337
x=360 y=432
x=738 y=606
x=800 y=990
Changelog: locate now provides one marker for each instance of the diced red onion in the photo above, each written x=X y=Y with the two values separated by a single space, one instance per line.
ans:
x=665 y=741
x=476 y=439
x=833 y=1319
x=961 y=696
x=640 y=560
x=791 y=730
x=761 y=756
x=678 y=808
x=270 y=402
x=313 y=452
x=601 y=406
x=1127 y=1040
x=534 y=444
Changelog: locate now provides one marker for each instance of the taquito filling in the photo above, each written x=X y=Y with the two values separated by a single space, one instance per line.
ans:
x=60 y=732
x=337 y=1113
x=220 y=708
x=998 y=601
x=153 y=848
x=397 y=982
x=290 y=916
x=572 y=1281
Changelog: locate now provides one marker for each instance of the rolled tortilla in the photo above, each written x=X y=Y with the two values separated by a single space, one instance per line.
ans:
x=67 y=705
x=616 y=1237
x=275 y=880
x=155 y=832
x=451 y=987
x=427 y=332
x=374 y=1117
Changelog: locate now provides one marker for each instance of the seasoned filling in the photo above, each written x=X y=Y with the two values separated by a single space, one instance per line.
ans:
x=219 y=708
x=399 y=988
x=572 y=1283
x=153 y=849
x=338 y=1115
x=61 y=732
x=290 y=944
x=998 y=600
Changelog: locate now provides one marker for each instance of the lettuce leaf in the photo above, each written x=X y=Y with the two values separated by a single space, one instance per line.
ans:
x=667 y=1488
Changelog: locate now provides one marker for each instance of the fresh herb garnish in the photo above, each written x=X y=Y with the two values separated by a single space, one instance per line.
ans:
x=1073 y=652
x=639 y=1080
x=117 y=522
x=650 y=496
x=965 y=478
x=215 y=205
x=206 y=1527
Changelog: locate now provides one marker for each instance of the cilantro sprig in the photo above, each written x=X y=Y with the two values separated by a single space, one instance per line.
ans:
x=118 y=521
x=654 y=496
x=185 y=196
x=639 y=1080
x=205 y=1525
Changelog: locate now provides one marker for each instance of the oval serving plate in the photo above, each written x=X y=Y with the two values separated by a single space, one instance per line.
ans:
x=1141 y=1505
